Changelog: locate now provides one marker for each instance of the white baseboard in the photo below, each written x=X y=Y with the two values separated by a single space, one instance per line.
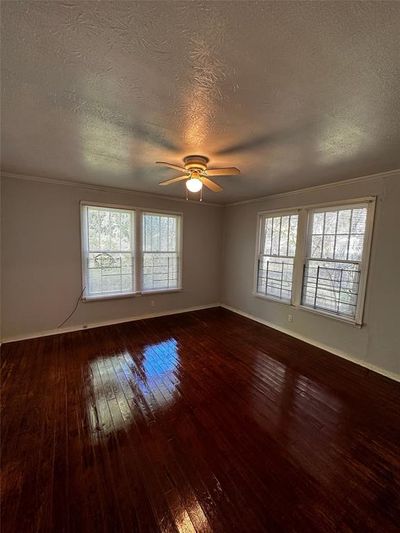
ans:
x=69 y=329
x=386 y=373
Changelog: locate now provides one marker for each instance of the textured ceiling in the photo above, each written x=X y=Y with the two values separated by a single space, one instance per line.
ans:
x=293 y=93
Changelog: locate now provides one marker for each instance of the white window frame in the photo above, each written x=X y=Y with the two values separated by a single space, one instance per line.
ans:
x=303 y=238
x=260 y=239
x=137 y=251
x=178 y=250
x=85 y=253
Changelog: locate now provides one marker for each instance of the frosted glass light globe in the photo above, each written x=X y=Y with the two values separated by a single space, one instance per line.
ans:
x=194 y=185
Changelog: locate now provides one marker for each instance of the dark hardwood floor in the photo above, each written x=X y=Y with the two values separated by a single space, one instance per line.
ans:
x=204 y=421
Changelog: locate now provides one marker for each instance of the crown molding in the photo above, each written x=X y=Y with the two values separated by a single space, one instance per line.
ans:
x=102 y=188
x=107 y=188
x=333 y=184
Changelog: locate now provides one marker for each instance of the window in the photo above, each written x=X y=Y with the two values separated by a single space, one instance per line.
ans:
x=333 y=262
x=116 y=263
x=317 y=258
x=108 y=251
x=275 y=260
x=160 y=251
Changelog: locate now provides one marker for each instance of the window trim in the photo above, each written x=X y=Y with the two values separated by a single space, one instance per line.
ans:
x=303 y=231
x=137 y=250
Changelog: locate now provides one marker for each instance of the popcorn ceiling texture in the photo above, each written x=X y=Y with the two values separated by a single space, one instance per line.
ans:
x=293 y=93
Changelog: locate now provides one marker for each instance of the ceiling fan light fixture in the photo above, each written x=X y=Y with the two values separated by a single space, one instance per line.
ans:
x=196 y=174
x=194 y=184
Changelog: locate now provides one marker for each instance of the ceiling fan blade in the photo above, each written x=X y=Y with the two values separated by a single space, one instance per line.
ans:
x=176 y=167
x=211 y=184
x=174 y=180
x=223 y=171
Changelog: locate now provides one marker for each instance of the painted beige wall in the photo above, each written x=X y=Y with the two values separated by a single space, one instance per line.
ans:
x=41 y=271
x=378 y=341
x=41 y=274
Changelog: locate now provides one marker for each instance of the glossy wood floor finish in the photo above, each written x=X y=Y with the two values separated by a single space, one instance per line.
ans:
x=205 y=422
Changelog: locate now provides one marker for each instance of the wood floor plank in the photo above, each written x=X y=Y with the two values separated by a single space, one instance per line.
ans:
x=200 y=422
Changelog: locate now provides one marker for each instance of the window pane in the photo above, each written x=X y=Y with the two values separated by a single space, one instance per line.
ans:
x=292 y=235
x=330 y=223
x=331 y=286
x=316 y=246
x=318 y=222
x=126 y=231
x=160 y=271
x=283 y=247
x=328 y=246
x=110 y=273
x=160 y=252
x=344 y=221
x=109 y=268
x=115 y=231
x=342 y=231
x=356 y=247
x=275 y=263
x=275 y=277
x=105 y=239
x=275 y=235
x=358 y=220
x=341 y=246
x=268 y=236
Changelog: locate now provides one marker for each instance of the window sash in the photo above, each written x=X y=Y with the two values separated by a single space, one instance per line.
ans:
x=332 y=288
x=303 y=246
x=274 y=277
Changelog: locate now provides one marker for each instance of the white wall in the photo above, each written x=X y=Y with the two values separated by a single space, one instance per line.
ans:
x=377 y=343
x=41 y=271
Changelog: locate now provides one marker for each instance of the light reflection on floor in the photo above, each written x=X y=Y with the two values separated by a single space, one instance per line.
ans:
x=125 y=388
x=294 y=402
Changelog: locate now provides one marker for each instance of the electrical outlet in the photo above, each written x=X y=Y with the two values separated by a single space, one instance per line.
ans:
x=290 y=318
x=152 y=303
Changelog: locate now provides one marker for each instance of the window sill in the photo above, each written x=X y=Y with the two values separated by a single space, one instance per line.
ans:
x=326 y=314
x=318 y=312
x=271 y=298
x=101 y=297
x=87 y=299
x=159 y=291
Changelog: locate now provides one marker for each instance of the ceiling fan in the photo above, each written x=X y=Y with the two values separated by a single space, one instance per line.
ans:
x=197 y=174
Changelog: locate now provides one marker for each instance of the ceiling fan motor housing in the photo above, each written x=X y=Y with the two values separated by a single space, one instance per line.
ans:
x=196 y=162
